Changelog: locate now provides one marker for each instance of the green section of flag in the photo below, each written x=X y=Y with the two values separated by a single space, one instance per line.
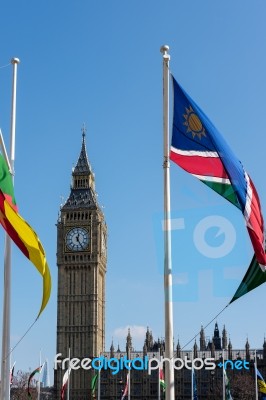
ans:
x=225 y=190
x=30 y=378
x=6 y=184
x=93 y=383
x=254 y=277
x=163 y=385
x=228 y=395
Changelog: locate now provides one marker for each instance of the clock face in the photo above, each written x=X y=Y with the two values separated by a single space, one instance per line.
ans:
x=77 y=239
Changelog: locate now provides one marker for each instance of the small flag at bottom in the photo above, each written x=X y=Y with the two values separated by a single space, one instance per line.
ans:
x=125 y=393
x=228 y=395
x=93 y=384
x=261 y=382
x=37 y=370
x=162 y=381
x=65 y=382
x=12 y=373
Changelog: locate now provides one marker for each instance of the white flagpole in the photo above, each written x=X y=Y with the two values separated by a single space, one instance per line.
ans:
x=39 y=380
x=68 y=378
x=5 y=386
x=169 y=336
x=192 y=377
x=223 y=377
x=159 y=386
x=99 y=385
x=256 y=379
x=128 y=391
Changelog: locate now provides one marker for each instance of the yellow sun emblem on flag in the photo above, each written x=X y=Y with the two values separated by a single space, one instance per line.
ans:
x=193 y=123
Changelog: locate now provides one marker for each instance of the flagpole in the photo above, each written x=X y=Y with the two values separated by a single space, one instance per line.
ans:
x=68 y=378
x=99 y=385
x=256 y=379
x=192 y=376
x=223 y=377
x=129 y=383
x=39 y=381
x=5 y=386
x=159 y=386
x=128 y=392
x=169 y=337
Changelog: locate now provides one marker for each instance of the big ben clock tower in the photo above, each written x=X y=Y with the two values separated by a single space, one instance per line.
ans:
x=81 y=261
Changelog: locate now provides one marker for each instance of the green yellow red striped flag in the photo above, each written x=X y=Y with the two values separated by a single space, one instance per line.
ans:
x=37 y=370
x=21 y=232
x=6 y=184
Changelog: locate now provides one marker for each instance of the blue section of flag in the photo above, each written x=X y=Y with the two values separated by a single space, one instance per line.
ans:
x=193 y=131
x=259 y=375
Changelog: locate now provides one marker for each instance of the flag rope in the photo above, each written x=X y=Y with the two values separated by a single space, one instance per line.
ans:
x=205 y=326
x=4 y=66
x=20 y=340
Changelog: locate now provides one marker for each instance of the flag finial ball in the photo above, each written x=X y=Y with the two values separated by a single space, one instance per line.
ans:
x=164 y=48
x=15 y=60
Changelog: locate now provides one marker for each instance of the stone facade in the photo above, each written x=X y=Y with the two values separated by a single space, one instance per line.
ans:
x=81 y=261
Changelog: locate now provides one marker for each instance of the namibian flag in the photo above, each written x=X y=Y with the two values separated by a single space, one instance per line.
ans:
x=21 y=232
x=198 y=148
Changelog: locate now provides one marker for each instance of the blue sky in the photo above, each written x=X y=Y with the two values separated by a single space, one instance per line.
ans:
x=100 y=63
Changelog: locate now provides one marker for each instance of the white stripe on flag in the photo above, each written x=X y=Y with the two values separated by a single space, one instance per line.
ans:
x=66 y=375
x=249 y=195
x=191 y=153
x=213 y=179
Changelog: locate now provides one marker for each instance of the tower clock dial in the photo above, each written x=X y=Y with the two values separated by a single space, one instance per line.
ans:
x=77 y=239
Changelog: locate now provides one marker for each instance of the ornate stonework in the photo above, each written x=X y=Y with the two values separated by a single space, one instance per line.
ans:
x=81 y=261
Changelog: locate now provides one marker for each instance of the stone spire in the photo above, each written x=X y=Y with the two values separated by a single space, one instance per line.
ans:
x=149 y=340
x=247 y=347
x=83 y=182
x=83 y=166
x=129 y=344
x=213 y=349
x=216 y=338
x=230 y=350
x=224 y=339
x=178 y=349
x=195 y=350
x=202 y=339
x=112 y=350
x=145 y=350
x=264 y=349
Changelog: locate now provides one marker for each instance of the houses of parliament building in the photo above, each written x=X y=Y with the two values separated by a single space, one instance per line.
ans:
x=82 y=265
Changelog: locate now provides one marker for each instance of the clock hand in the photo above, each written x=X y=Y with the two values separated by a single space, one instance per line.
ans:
x=77 y=237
